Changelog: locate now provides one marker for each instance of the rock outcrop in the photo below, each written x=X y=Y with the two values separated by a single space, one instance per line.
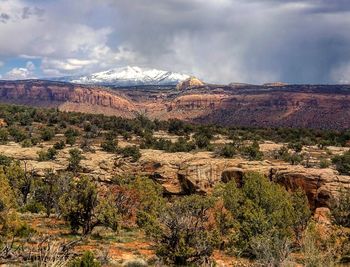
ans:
x=189 y=173
x=191 y=82
x=321 y=185
x=186 y=173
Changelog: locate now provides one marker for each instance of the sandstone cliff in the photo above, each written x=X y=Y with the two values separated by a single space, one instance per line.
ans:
x=276 y=105
x=67 y=97
x=186 y=173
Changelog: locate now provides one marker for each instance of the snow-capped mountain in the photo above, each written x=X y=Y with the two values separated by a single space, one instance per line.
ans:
x=129 y=76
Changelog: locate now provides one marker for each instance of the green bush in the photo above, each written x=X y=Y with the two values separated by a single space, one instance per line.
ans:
x=86 y=146
x=21 y=181
x=262 y=207
x=179 y=127
x=342 y=163
x=301 y=214
x=79 y=205
x=50 y=154
x=75 y=157
x=341 y=208
x=4 y=135
x=201 y=141
x=316 y=250
x=59 y=145
x=252 y=152
x=17 y=134
x=47 y=134
x=282 y=153
x=33 y=207
x=34 y=140
x=186 y=238
x=71 y=136
x=71 y=140
x=294 y=158
x=132 y=152
x=84 y=209
x=297 y=147
x=87 y=260
x=27 y=143
x=181 y=145
x=110 y=145
x=49 y=189
x=324 y=163
x=5 y=161
x=228 y=151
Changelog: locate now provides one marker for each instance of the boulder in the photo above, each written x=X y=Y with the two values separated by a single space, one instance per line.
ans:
x=321 y=185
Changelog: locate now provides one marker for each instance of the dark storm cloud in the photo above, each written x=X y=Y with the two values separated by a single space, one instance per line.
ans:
x=217 y=40
x=252 y=41
x=27 y=12
x=4 y=17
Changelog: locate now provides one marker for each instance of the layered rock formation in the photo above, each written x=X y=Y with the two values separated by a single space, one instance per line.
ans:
x=188 y=173
x=67 y=97
x=185 y=173
x=314 y=106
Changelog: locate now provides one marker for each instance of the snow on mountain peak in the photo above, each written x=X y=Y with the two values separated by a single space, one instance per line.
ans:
x=130 y=76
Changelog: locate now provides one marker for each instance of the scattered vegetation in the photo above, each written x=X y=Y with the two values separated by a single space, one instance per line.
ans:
x=342 y=163
x=255 y=219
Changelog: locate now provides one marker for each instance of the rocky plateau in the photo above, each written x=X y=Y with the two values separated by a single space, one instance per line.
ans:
x=188 y=173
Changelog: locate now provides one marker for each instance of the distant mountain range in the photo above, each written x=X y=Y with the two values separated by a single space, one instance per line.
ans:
x=127 y=76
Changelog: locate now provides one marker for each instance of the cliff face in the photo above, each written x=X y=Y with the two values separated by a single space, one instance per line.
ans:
x=287 y=109
x=322 y=106
x=66 y=97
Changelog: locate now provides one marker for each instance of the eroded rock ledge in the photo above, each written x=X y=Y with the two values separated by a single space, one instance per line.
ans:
x=188 y=173
x=185 y=173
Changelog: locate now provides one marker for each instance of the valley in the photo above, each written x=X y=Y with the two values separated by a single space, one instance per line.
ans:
x=302 y=106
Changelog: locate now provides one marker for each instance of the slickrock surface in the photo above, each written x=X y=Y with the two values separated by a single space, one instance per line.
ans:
x=187 y=173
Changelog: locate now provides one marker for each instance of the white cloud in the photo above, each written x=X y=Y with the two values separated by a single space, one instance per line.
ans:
x=2 y=64
x=58 y=36
x=99 y=58
x=17 y=74
x=21 y=73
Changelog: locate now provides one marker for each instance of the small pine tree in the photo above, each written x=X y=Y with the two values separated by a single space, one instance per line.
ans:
x=75 y=156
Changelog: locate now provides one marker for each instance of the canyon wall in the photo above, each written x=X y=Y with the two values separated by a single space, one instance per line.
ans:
x=311 y=106
x=67 y=97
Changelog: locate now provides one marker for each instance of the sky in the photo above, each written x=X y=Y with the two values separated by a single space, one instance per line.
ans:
x=218 y=41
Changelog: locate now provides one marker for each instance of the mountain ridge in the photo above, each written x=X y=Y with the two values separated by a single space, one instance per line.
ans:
x=127 y=76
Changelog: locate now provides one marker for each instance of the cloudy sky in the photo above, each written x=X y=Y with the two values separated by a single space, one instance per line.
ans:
x=221 y=41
